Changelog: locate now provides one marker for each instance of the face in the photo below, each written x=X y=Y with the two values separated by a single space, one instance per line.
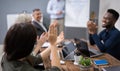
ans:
x=108 y=20
x=37 y=15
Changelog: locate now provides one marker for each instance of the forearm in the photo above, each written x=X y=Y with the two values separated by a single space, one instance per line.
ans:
x=45 y=53
x=98 y=42
x=55 y=58
x=37 y=49
x=91 y=40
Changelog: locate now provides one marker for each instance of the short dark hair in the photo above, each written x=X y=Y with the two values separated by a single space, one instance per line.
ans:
x=115 y=13
x=37 y=9
x=19 y=41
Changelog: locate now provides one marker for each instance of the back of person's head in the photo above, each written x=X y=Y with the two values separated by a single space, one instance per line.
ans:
x=114 y=13
x=23 y=18
x=19 y=41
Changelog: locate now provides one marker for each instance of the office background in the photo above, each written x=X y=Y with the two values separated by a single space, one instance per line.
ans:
x=18 y=6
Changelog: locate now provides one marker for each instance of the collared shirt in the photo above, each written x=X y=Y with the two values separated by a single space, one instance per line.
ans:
x=41 y=24
x=107 y=41
x=54 y=6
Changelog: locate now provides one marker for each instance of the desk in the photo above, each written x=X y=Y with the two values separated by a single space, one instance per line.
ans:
x=69 y=66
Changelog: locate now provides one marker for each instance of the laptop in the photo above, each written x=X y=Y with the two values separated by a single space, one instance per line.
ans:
x=85 y=50
x=67 y=53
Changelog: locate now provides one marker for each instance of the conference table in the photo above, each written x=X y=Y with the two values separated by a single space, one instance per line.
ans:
x=69 y=65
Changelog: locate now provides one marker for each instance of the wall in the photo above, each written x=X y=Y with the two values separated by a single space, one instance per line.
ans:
x=78 y=32
x=106 y=4
x=16 y=7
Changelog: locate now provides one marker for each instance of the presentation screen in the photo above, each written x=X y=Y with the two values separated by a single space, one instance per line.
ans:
x=76 y=13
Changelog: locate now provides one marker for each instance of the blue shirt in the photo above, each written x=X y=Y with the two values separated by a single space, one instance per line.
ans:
x=54 y=6
x=107 y=41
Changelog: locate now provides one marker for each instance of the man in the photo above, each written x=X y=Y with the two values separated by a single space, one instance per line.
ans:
x=108 y=40
x=40 y=27
x=56 y=10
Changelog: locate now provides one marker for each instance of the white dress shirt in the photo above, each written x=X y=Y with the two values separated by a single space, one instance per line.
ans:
x=54 y=6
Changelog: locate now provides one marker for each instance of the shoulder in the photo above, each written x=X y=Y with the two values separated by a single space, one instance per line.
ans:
x=15 y=65
x=103 y=31
x=115 y=31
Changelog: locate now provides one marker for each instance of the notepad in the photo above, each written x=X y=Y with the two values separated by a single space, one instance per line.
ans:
x=101 y=62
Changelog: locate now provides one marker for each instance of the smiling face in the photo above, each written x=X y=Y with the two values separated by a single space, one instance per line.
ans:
x=108 y=20
x=37 y=15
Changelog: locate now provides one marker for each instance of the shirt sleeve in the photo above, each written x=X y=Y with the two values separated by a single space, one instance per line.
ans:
x=50 y=8
x=104 y=45
x=91 y=40
x=35 y=60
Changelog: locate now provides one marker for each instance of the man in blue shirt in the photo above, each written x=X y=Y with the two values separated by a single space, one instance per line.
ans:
x=108 y=40
x=56 y=9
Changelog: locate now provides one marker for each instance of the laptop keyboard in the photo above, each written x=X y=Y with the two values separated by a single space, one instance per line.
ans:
x=91 y=53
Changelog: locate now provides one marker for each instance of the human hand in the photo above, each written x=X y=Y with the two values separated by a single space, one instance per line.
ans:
x=42 y=39
x=92 y=27
x=59 y=12
x=60 y=37
x=52 y=33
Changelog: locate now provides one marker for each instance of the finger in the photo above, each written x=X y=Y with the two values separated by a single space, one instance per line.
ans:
x=38 y=38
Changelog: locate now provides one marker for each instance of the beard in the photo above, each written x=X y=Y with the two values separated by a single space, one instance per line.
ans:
x=106 y=25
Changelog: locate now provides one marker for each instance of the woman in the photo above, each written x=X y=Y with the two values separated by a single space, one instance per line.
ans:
x=18 y=45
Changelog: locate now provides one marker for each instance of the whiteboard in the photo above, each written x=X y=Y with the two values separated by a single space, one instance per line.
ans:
x=77 y=13
x=11 y=19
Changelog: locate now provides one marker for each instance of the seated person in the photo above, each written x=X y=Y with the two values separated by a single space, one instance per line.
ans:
x=18 y=45
x=108 y=40
x=41 y=39
x=40 y=26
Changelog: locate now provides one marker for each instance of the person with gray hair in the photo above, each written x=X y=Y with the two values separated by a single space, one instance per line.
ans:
x=40 y=26
x=23 y=17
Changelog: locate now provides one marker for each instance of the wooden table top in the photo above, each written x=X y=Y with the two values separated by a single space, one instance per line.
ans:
x=69 y=65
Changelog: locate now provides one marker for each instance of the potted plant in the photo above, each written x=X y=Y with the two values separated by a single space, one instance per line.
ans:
x=85 y=63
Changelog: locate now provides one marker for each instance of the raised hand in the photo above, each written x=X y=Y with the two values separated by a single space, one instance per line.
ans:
x=52 y=33
x=92 y=27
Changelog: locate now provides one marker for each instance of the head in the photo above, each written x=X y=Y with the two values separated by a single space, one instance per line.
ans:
x=110 y=18
x=19 y=41
x=22 y=18
x=37 y=14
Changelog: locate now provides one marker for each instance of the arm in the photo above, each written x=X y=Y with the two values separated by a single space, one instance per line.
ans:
x=50 y=8
x=103 y=46
x=52 y=37
x=91 y=40
x=40 y=41
x=60 y=37
x=92 y=29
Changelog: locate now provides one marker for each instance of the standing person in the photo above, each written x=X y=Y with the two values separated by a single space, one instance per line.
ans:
x=18 y=45
x=108 y=40
x=40 y=26
x=56 y=9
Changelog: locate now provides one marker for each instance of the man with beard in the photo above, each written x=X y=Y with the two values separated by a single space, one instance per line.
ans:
x=108 y=40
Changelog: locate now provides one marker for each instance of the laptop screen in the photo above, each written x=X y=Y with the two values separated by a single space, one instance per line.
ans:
x=69 y=47
x=82 y=47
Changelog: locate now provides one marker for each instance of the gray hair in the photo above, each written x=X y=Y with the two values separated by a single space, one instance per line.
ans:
x=23 y=18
